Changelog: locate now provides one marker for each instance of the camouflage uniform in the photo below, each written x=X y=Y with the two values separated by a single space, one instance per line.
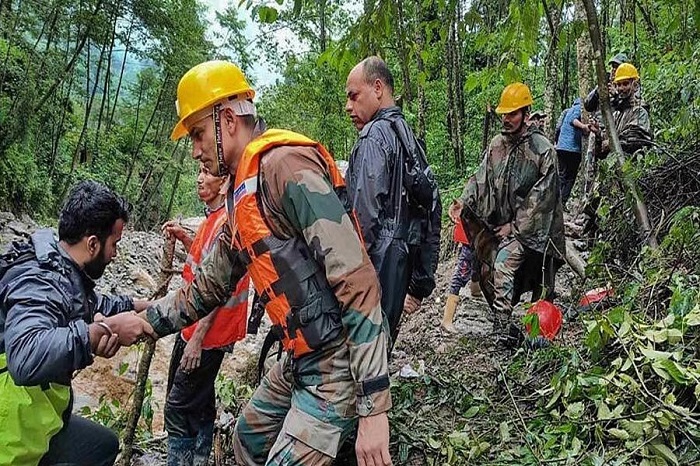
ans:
x=518 y=183
x=304 y=407
x=633 y=126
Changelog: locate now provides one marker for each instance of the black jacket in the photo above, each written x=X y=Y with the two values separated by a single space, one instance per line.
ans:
x=46 y=303
x=383 y=208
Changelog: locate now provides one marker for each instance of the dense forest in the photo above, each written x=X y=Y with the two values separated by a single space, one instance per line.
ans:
x=87 y=90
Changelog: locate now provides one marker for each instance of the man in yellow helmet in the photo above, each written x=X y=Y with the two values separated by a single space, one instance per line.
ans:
x=630 y=116
x=514 y=197
x=289 y=226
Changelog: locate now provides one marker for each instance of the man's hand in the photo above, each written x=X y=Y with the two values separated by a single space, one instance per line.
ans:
x=107 y=346
x=372 y=447
x=411 y=304
x=455 y=210
x=129 y=327
x=504 y=231
x=192 y=356
x=173 y=229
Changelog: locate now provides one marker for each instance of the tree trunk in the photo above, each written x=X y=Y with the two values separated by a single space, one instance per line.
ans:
x=88 y=108
x=121 y=76
x=454 y=84
x=584 y=56
x=175 y=183
x=639 y=208
x=403 y=53
x=107 y=80
x=420 y=67
x=553 y=14
x=145 y=132
x=322 y=33
x=69 y=66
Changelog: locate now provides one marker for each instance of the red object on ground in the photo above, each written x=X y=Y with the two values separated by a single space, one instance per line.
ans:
x=550 y=318
x=459 y=235
x=593 y=297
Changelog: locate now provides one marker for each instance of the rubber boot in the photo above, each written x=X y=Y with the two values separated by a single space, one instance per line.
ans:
x=181 y=451
x=475 y=289
x=508 y=336
x=449 y=313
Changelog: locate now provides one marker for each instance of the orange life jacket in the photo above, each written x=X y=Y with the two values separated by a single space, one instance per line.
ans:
x=291 y=283
x=230 y=321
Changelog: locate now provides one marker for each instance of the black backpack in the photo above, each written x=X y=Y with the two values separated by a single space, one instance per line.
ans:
x=19 y=253
x=418 y=178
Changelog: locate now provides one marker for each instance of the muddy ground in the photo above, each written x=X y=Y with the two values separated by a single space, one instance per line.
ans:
x=422 y=345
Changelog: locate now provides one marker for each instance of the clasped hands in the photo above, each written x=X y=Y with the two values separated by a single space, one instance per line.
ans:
x=119 y=330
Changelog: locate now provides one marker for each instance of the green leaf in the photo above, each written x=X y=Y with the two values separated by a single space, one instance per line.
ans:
x=692 y=319
x=619 y=433
x=267 y=14
x=675 y=372
x=504 y=430
x=434 y=444
x=471 y=412
x=123 y=367
x=665 y=452
x=634 y=427
x=458 y=439
x=574 y=410
x=472 y=82
x=654 y=355
x=297 y=7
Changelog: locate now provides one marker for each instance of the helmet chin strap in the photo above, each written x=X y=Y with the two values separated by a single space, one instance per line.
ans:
x=221 y=169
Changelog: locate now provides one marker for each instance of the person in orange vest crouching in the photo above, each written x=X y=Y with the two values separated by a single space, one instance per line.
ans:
x=463 y=273
x=190 y=408
x=291 y=227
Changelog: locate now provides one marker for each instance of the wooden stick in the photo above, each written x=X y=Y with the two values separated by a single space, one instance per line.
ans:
x=166 y=265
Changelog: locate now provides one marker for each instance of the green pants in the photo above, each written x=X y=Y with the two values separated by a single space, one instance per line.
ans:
x=517 y=270
x=288 y=424
x=509 y=258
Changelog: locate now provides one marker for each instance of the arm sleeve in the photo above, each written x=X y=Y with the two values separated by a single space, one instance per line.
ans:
x=312 y=207
x=423 y=275
x=213 y=283
x=110 y=305
x=40 y=347
x=369 y=186
x=591 y=102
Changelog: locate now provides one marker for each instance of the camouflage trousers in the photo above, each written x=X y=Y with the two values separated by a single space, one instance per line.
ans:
x=510 y=257
x=518 y=270
x=288 y=424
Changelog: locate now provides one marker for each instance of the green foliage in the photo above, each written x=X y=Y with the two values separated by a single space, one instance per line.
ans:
x=23 y=184
x=68 y=111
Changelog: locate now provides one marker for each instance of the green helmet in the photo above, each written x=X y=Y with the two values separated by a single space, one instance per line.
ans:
x=618 y=59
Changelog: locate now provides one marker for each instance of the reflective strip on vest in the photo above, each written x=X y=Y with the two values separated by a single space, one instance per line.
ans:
x=229 y=324
x=29 y=417
x=251 y=228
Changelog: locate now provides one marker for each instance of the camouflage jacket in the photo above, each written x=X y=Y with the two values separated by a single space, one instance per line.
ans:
x=518 y=182
x=633 y=126
x=298 y=200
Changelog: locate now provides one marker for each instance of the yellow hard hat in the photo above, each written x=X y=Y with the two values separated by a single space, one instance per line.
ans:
x=626 y=71
x=514 y=96
x=205 y=85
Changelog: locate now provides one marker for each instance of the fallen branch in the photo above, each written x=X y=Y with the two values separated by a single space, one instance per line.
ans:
x=144 y=366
